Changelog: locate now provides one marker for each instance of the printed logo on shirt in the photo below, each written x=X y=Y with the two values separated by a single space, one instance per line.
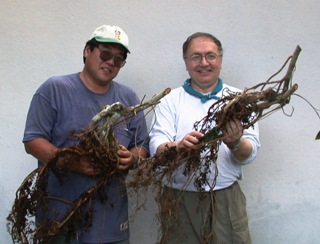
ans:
x=124 y=226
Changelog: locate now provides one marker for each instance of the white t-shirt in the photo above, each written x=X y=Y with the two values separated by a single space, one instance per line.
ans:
x=175 y=117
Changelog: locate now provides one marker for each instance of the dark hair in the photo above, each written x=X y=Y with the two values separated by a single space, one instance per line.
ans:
x=186 y=44
x=93 y=43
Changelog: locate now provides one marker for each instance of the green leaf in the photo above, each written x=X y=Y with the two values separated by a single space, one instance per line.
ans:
x=318 y=136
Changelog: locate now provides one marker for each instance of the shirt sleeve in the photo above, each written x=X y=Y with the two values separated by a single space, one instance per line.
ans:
x=163 y=128
x=252 y=135
x=40 y=119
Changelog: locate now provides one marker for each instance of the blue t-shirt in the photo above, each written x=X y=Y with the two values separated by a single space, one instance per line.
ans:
x=63 y=105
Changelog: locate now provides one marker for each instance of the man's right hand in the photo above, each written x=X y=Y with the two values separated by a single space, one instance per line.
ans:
x=190 y=140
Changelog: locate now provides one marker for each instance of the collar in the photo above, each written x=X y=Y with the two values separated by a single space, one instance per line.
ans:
x=203 y=97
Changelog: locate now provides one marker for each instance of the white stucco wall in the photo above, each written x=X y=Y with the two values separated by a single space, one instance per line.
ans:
x=44 y=38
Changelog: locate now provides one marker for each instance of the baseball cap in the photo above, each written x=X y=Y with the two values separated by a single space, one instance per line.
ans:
x=111 y=34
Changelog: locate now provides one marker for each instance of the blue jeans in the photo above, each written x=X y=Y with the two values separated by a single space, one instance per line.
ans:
x=61 y=239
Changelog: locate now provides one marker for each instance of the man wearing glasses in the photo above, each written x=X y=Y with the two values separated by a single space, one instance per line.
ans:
x=66 y=104
x=173 y=126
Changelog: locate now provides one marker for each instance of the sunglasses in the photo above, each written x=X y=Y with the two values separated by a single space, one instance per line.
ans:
x=106 y=55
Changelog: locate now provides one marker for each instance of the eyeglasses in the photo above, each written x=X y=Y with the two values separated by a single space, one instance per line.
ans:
x=210 y=57
x=106 y=55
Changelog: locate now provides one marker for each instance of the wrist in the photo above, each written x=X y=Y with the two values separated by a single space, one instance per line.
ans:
x=235 y=147
x=134 y=162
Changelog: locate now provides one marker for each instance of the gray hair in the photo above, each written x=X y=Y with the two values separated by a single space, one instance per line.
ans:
x=186 y=44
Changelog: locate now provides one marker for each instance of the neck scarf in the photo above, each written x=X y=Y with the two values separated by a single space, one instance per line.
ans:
x=203 y=97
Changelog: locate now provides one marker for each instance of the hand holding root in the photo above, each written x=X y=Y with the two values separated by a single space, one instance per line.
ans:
x=189 y=141
x=232 y=133
x=125 y=158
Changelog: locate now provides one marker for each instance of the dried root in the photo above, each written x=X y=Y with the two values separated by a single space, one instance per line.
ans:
x=249 y=106
x=99 y=146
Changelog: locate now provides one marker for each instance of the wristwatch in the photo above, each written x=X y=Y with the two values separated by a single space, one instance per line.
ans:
x=235 y=147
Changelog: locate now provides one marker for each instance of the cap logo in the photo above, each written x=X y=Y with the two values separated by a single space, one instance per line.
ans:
x=117 y=35
x=111 y=34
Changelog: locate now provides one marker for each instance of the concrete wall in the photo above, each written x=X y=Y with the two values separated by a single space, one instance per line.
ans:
x=44 y=38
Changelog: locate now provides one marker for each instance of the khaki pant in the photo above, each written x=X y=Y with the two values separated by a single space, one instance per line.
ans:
x=229 y=221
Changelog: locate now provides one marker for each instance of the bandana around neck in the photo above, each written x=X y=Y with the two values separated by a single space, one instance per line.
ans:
x=203 y=97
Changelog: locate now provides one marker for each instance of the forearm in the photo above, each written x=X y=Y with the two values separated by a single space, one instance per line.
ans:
x=242 y=149
x=41 y=149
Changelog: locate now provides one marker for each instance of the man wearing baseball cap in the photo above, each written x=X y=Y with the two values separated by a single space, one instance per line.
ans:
x=67 y=103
